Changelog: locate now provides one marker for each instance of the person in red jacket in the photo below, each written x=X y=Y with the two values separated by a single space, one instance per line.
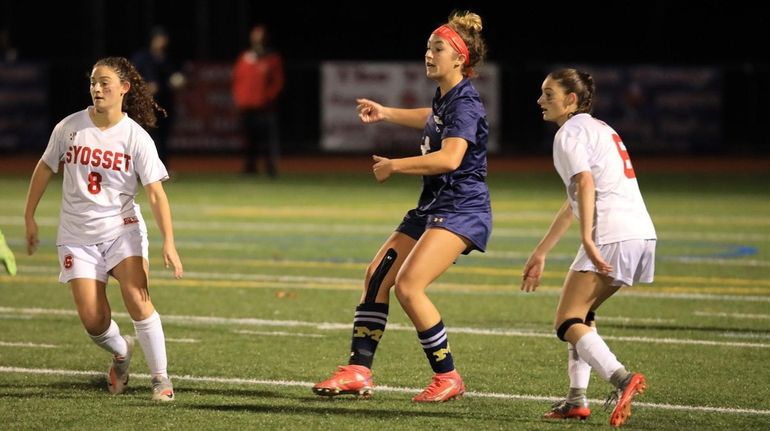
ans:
x=258 y=79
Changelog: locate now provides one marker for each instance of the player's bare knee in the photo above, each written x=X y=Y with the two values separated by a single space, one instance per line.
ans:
x=95 y=323
x=404 y=290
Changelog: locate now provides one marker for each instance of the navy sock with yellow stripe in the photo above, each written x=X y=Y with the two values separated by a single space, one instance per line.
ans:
x=436 y=346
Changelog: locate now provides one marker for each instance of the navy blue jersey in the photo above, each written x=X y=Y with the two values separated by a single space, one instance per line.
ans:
x=459 y=114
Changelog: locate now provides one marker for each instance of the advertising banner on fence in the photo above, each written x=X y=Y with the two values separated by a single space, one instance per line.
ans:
x=206 y=119
x=660 y=108
x=24 y=119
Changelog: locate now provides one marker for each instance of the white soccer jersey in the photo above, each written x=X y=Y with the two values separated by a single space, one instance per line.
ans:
x=583 y=144
x=102 y=170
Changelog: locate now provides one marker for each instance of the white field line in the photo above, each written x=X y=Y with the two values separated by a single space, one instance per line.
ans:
x=332 y=326
x=297 y=281
x=278 y=334
x=182 y=340
x=732 y=315
x=742 y=335
x=603 y=318
x=33 y=345
x=294 y=383
x=6 y=317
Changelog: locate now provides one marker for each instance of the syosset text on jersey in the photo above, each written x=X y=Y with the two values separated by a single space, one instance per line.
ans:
x=96 y=157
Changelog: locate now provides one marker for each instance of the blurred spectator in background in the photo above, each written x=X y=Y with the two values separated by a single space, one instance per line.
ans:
x=257 y=81
x=8 y=53
x=163 y=78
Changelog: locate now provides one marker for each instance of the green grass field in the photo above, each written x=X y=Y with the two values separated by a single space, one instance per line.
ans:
x=273 y=270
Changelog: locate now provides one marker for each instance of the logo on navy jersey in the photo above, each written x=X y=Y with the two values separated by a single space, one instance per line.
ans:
x=438 y=219
x=437 y=120
x=425 y=147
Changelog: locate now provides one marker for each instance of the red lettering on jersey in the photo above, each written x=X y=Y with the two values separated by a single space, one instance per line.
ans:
x=85 y=155
x=628 y=169
x=75 y=153
x=130 y=220
x=107 y=161
x=96 y=157
x=118 y=159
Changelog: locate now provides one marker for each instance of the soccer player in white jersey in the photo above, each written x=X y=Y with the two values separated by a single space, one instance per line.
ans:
x=104 y=152
x=617 y=235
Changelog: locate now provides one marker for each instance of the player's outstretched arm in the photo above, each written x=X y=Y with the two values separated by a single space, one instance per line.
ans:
x=370 y=111
x=161 y=210
x=533 y=268
x=37 y=185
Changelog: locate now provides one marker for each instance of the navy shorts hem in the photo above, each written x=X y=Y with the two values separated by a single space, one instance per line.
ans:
x=475 y=227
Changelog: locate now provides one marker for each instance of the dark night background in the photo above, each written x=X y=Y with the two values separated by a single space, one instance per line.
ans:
x=523 y=38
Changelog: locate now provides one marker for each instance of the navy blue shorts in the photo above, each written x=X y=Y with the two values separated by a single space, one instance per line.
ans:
x=475 y=227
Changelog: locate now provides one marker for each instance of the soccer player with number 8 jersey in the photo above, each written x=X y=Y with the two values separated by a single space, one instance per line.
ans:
x=617 y=239
x=104 y=152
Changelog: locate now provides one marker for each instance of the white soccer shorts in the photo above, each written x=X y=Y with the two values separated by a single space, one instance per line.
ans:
x=95 y=261
x=632 y=261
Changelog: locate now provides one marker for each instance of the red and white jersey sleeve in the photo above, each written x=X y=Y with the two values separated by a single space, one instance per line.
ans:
x=585 y=144
x=102 y=171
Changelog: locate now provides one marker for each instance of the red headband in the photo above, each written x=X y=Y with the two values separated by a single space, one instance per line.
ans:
x=454 y=39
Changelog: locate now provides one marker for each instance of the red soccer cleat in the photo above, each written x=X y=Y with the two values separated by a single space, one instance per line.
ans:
x=348 y=379
x=567 y=410
x=444 y=387
x=622 y=411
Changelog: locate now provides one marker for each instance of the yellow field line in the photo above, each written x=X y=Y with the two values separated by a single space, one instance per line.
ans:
x=514 y=273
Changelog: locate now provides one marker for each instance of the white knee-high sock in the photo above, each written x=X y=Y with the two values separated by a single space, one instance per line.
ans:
x=595 y=351
x=149 y=332
x=578 y=369
x=111 y=340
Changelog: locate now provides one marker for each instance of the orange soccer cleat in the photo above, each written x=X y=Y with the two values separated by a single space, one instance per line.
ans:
x=623 y=395
x=348 y=379
x=566 y=410
x=444 y=387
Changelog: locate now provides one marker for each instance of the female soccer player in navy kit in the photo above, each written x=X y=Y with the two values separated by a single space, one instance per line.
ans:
x=453 y=215
x=617 y=233
x=104 y=153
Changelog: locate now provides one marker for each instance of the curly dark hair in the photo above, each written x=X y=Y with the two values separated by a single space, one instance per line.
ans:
x=138 y=102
